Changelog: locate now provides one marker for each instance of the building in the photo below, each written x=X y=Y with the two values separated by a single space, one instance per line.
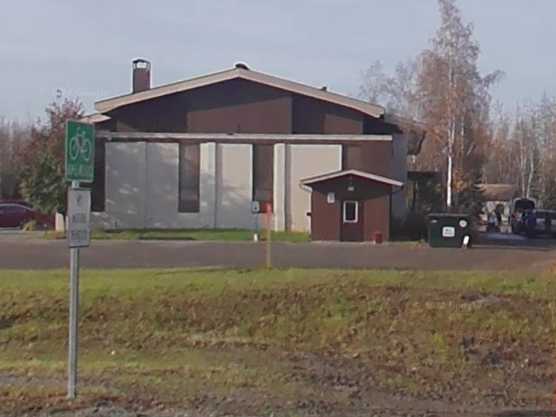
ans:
x=198 y=153
x=498 y=198
x=359 y=200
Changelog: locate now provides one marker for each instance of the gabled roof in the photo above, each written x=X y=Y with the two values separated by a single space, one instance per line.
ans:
x=498 y=192
x=107 y=105
x=94 y=118
x=337 y=174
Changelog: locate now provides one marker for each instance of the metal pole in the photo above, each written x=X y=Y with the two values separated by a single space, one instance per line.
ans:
x=73 y=317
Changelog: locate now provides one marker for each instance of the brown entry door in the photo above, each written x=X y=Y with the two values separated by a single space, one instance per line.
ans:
x=352 y=221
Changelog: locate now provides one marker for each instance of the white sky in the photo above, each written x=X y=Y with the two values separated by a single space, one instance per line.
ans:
x=84 y=48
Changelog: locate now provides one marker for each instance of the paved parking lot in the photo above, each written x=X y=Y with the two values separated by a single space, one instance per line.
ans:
x=21 y=251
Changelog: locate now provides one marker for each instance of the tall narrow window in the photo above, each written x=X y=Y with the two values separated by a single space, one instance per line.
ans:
x=351 y=212
x=263 y=173
x=98 y=187
x=189 y=167
x=352 y=157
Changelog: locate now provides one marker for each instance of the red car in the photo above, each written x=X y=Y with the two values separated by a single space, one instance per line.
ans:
x=14 y=214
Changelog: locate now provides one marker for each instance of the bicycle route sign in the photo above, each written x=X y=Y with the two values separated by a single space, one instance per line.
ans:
x=80 y=151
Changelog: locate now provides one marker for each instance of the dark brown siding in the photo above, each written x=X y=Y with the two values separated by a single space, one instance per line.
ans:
x=377 y=126
x=378 y=158
x=244 y=106
x=189 y=166
x=239 y=106
x=352 y=158
x=228 y=107
x=163 y=114
x=263 y=173
x=325 y=218
x=375 y=158
x=377 y=213
x=311 y=116
x=98 y=187
x=106 y=125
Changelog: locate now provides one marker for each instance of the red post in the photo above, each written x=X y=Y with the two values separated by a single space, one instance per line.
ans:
x=378 y=238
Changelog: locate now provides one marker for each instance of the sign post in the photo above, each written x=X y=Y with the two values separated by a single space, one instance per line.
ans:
x=79 y=162
x=268 y=215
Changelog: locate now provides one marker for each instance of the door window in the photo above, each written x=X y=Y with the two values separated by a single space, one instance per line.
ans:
x=351 y=212
x=16 y=210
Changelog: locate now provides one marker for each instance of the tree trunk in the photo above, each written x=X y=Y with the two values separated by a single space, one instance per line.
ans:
x=450 y=175
x=449 y=183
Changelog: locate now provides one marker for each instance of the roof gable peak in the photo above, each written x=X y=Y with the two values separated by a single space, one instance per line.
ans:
x=240 y=72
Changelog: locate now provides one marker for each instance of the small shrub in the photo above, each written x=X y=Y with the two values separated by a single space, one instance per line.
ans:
x=416 y=224
x=30 y=226
x=34 y=226
x=413 y=228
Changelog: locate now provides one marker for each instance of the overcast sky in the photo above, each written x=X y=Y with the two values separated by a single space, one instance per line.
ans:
x=84 y=48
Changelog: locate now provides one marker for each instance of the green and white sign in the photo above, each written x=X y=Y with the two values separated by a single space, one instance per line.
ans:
x=80 y=151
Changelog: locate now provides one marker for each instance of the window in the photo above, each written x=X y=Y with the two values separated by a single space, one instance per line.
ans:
x=98 y=187
x=189 y=169
x=352 y=157
x=15 y=209
x=263 y=173
x=350 y=210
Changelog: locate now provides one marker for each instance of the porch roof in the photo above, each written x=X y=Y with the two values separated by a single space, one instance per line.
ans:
x=308 y=182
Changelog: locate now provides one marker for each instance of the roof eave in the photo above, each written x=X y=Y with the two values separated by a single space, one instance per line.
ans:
x=107 y=105
x=94 y=118
x=338 y=174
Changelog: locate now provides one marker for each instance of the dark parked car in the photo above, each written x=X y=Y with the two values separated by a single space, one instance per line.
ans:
x=16 y=214
x=520 y=209
x=545 y=222
x=536 y=222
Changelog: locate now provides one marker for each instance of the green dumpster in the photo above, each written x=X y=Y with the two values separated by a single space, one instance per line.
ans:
x=448 y=230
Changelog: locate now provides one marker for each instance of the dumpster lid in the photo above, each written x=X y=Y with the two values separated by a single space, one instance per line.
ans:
x=453 y=215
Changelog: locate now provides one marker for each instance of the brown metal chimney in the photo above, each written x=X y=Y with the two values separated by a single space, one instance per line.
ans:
x=141 y=75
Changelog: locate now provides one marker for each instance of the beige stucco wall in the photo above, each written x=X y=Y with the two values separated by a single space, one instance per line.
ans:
x=234 y=186
x=142 y=188
x=142 y=185
x=162 y=188
x=305 y=161
x=280 y=187
x=161 y=197
x=125 y=187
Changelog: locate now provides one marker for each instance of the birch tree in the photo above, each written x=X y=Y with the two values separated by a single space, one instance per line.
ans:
x=445 y=91
x=455 y=99
x=396 y=92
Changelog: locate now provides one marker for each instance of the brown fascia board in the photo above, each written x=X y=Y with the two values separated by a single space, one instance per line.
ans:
x=104 y=106
x=239 y=137
x=338 y=174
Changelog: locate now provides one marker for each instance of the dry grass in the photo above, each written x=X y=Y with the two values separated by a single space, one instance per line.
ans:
x=255 y=340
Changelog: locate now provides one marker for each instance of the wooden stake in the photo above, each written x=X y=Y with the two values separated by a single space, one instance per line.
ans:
x=268 y=236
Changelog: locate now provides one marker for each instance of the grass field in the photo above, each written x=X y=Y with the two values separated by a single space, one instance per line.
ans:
x=288 y=342
x=188 y=234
